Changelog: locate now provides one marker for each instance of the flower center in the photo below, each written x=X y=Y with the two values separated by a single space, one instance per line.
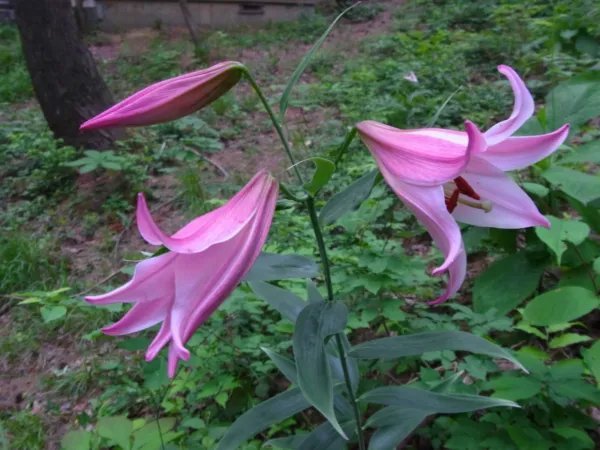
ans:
x=460 y=191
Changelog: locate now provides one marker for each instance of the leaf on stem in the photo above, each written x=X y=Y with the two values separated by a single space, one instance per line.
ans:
x=315 y=323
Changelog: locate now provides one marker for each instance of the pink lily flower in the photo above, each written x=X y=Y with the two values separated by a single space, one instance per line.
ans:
x=207 y=259
x=170 y=99
x=445 y=175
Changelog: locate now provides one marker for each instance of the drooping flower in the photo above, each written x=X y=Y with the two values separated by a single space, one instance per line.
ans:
x=447 y=175
x=207 y=259
x=170 y=99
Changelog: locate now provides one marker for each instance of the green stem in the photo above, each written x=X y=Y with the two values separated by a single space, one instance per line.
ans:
x=310 y=204
x=278 y=129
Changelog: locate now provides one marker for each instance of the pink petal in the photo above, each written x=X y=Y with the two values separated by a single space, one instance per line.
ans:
x=141 y=316
x=152 y=280
x=161 y=339
x=511 y=207
x=212 y=228
x=170 y=99
x=522 y=110
x=519 y=152
x=204 y=280
x=425 y=157
x=428 y=205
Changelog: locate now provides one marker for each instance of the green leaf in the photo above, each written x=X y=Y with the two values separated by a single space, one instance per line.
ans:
x=574 y=101
x=326 y=437
x=285 y=365
x=579 y=185
x=286 y=443
x=51 y=313
x=536 y=189
x=416 y=344
x=271 y=266
x=573 y=433
x=394 y=424
x=152 y=435
x=262 y=416
x=283 y=102
x=589 y=152
x=526 y=438
x=506 y=283
x=324 y=171
x=591 y=357
x=431 y=402
x=315 y=323
x=286 y=303
x=564 y=340
x=560 y=232
x=512 y=387
x=596 y=265
x=76 y=440
x=560 y=305
x=118 y=429
x=349 y=199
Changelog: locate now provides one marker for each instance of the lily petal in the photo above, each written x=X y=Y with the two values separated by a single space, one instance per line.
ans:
x=209 y=229
x=457 y=272
x=204 y=280
x=519 y=152
x=523 y=108
x=424 y=157
x=511 y=207
x=152 y=280
x=141 y=316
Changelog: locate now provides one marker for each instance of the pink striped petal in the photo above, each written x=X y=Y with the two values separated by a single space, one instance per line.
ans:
x=511 y=207
x=209 y=229
x=424 y=157
x=519 y=152
x=523 y=109
x=170 y=99
x=152 y=280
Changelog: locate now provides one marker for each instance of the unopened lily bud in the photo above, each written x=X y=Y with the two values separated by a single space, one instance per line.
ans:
x=170 y=99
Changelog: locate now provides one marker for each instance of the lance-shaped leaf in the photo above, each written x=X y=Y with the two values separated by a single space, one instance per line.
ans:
x=431 y=402
x=315 y=323
x=323 y=173
x=349 y=199
x=271 y=266
x=416 y=344
x=286 y=303
x=262 y=416
x=394 y=424
x=326 y=437
x=283 y=103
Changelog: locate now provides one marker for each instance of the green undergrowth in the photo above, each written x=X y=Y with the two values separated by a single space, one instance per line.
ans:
x=379 y=254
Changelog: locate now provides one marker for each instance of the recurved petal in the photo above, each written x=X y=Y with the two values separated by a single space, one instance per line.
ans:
x=152 y=280
x=428 y=205
x=457 y=271
x=425 y=157
x=140 y=316
x=523 y=108
x=519 y=152
x=212 y=228
x=511 y=207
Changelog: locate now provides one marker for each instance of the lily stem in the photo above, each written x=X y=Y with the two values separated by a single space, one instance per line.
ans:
x=278 y=129
x=312 y=211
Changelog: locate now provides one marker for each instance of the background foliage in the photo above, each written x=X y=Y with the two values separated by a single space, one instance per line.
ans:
x=535 y=291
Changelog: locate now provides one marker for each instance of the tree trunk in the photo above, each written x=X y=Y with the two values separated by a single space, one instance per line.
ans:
x=65 y=79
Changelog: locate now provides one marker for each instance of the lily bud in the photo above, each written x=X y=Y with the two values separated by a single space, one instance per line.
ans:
x=170 y=99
